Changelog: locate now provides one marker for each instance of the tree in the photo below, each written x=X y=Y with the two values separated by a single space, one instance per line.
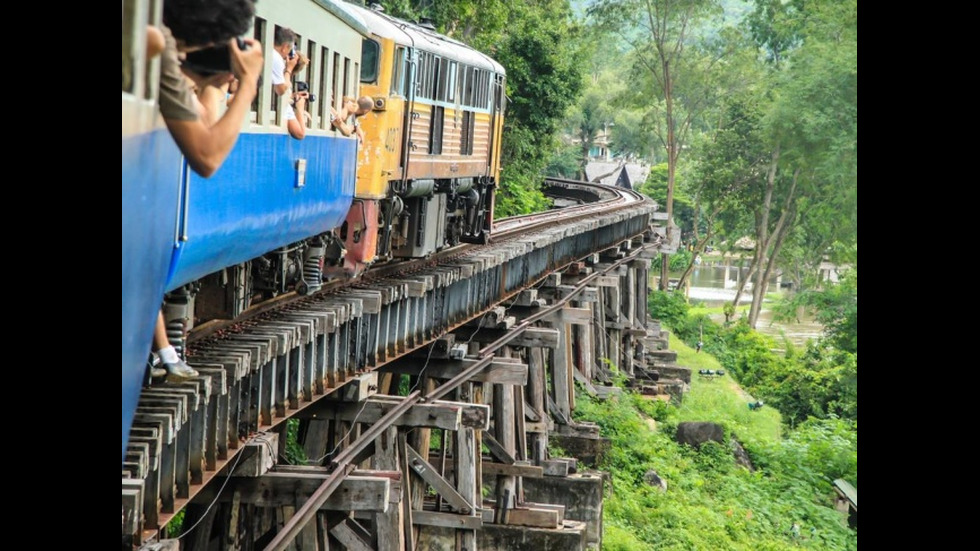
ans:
x=812 y=126
x=658 y=32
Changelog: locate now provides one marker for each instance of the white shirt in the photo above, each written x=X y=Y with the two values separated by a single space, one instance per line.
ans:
x=279 y=77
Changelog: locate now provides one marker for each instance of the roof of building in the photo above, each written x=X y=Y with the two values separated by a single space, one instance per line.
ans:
x=617 y=173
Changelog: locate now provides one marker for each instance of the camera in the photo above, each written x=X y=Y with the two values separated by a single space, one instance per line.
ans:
x=292 y=51
x=213 y=60
x=304 y=87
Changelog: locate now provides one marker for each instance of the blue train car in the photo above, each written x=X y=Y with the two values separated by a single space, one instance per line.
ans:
x=151 y=170
x=272 y=193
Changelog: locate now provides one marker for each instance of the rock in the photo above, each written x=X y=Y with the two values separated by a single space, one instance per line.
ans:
x=741 y=458
x=652 y=478
x=695 y=433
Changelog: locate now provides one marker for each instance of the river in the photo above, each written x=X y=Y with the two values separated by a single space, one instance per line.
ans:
x=715 y=285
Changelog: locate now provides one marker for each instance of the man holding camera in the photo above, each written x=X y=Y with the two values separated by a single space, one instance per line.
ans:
x=190 y=27
x=283 y=67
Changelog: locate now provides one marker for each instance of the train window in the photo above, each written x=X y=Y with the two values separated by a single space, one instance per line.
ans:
x=370 y=54
x=337 y=97
x=151 y=67
x=312 y=81
x=435 y=131
x=498 y=89
x=258 y=32
x=398 y=78
x=347 y=91
x=466 y=139
x=326 y=95
x=436 y=81
x=468 y=95
x=452 y=81
x=129 y=36
x=419 y=71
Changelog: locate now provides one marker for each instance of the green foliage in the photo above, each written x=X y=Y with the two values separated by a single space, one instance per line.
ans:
x=819 y=382
x=655 y=187
x=835 y=307
x=676 y=262
x=295 y=455
x=710 y=502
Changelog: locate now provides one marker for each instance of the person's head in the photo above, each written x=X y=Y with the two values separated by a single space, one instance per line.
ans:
x=197 y=24
x=364 y=105
x=283 y=41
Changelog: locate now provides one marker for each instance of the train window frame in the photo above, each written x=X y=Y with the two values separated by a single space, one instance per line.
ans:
x=437 y=86
x=337 y=97
x=259 y=26
x=437 y=122
x=398 y=66
x=451 y=82
x=311 y=81
x=347 y=77
x=420 y=75
x=369 y=70
x=326 y=96
x=467 y=133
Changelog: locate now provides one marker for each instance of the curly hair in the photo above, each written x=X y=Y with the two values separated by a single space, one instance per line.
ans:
x=202 y=22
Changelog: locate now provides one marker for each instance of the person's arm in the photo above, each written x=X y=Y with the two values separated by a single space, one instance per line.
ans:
x=297 y=125
x=338 y=121
x=287 y=76
x=206 y=147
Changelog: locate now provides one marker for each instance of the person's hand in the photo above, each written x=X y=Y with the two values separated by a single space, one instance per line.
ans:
x=291 y=62
x=246 y=65
x=300 y=96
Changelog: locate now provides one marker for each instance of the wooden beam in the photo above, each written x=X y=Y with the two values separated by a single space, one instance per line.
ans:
x=446 y=520
x=431 y=475
x=534 y=517
x=274 y=489
x=349 y=538
x=529 y=338
x=261 y=454
x=499 y=371
x=519 y=468
x=498 y=450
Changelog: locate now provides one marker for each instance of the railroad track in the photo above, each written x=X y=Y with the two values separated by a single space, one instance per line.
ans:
x=282 y=357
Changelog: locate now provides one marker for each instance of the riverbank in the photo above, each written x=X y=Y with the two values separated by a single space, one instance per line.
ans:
x=709 y=501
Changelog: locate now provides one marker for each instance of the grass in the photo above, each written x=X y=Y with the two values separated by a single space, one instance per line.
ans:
x=710 y=504
x=722 y=399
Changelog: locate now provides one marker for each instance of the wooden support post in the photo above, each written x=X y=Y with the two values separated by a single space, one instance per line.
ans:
x=561 y=379
x=504 y=430
x=466 y=457
x=407 y=526
x=536 y=391
x=389 y=525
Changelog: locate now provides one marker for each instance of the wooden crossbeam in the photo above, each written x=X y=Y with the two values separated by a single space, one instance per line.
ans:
x=441 y=486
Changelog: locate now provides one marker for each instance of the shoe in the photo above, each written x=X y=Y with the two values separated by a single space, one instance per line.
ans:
x=180 y=370
x=157 y=372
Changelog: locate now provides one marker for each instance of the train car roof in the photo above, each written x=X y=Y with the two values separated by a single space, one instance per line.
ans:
x=411 y=34
x=352 y=18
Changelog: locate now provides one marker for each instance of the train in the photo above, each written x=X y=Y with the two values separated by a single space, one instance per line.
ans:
x=285 y=215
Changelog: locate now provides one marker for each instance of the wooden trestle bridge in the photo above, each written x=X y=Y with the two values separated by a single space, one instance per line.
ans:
x=426 y=395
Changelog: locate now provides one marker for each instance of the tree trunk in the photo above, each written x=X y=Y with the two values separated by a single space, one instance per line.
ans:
x=779 y=234
x=699 y=246
x=762 y=234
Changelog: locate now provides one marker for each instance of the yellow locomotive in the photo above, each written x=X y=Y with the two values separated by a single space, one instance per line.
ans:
x=430 y=160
